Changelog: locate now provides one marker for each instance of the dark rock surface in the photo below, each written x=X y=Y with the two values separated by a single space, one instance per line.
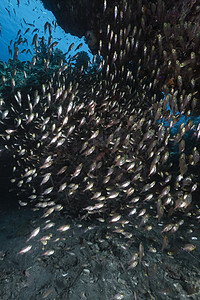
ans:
x=76 y=17
x=79 y=17
x=90 y=264
x=121 y=31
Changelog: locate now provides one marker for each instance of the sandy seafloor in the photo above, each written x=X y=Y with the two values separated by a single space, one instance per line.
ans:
x=90 y=264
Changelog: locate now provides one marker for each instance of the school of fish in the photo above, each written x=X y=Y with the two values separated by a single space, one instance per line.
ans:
x=96 y=144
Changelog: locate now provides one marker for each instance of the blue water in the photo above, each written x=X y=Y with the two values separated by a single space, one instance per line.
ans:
x=33 y=12
x=175 y=128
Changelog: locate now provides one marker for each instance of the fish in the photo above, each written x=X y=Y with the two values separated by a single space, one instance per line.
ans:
x=33 y=234
x=54 y=44
x=115 y=218
x=25 y=249
x=48 y=253
x=46 y=178
x=27 y=30
x=48 y=226
x=64 y=228
x=34 y=41
x=47 y=191
x=8 y=11
x=36 y=29
x=70 y=48
x=189 y=247
x=79 y=46
x=18 y=33
x=46 y=25
x=10 y=51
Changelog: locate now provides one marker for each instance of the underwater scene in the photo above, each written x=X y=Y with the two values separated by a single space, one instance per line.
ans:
x=99 y=149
